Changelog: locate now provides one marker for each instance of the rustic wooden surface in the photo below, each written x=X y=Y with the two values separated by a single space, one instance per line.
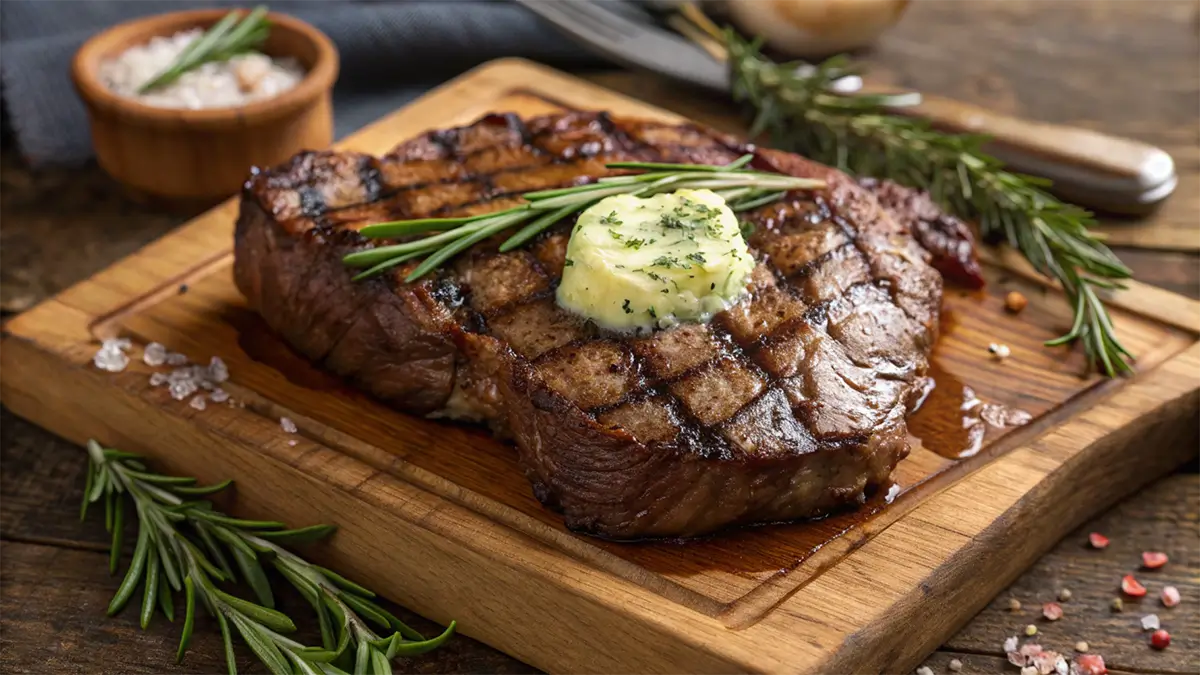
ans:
x=443 y=494
x=38 y=502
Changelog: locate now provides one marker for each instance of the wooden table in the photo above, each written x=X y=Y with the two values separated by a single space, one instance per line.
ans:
x=1126 y=67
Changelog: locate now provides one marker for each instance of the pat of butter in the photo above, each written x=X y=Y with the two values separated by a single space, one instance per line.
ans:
x=634 y=264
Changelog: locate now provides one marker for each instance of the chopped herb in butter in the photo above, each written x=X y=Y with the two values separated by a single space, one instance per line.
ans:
x=636 y=264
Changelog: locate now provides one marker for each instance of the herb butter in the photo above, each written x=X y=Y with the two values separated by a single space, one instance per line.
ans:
x=634 y=264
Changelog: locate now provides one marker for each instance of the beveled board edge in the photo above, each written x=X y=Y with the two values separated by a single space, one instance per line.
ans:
x=825 y=626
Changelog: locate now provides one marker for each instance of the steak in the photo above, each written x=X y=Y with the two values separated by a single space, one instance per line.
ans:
x=790 y=404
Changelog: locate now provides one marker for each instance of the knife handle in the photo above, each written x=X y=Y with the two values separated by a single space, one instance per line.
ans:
x=1096 y=160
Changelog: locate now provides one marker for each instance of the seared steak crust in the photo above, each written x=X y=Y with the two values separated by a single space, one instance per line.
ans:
x=788 y=405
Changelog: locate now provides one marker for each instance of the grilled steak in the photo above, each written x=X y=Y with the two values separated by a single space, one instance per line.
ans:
x=790 y=404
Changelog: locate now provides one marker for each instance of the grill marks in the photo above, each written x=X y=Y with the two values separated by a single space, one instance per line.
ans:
x=817 y=275
x=820 y=356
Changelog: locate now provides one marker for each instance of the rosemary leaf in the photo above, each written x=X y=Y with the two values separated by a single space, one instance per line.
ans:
x=165 y=558
x=537 y=226
x=89 y=481
x=255 y=577
x=189 y=618
x=165 y=603
x=227 y=641
x=204 y=531
x=118 y=534
x=240 y=523
x=793 y=105
x=302 y=535
x=545 y=208
x=343 y=582
x=227 y=38
x=201 y=490
x=266 y=650
x=133 y=576
x=150 y=592
x=364 y=608
x=270 y=618
x=415 y=648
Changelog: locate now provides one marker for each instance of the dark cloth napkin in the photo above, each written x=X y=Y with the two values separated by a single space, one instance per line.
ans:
x=391 y=51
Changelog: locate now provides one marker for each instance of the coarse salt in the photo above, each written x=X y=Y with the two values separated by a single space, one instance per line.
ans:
x=158 y=379
x=181 y=389
x=287 y=425
x=219 y=395
x=217 y=370
x=999 y=351
x=292 y=443
x=1010 y=645
x=154 y=354
x=176 y=359
x=244 y=78
x=198 y=402
x=955 y=665
x=111 y=355
x=1150 y=622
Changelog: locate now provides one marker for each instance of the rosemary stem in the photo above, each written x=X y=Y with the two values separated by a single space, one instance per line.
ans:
x=798 y=107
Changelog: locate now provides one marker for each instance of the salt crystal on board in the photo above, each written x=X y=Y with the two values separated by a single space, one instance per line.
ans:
x=182 y=389
x=197 y=402
x=1150 y=622
x=154 y=355
x=1010 y=645
x=111 y=355
x=219 y=395
x=217 y=370
x=287 y=425
x=158 y=379
x=176 y=359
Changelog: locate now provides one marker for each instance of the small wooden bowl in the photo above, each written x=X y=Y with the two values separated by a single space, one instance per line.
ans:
x=193 y=157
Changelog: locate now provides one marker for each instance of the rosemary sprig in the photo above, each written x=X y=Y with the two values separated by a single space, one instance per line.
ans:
x=183 y=544
x=794 y=103
x=227 y=38
x=739 y=186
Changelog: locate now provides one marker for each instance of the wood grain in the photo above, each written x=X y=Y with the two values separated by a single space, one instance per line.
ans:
x=55 y=620
x=466 y=538
x=1079 y=64
x=1164 y=518
x=43 y=481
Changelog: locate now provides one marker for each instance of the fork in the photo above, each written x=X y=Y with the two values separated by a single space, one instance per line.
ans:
x=1088 y=167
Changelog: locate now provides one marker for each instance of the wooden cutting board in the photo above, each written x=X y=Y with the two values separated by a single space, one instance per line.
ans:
x=438 y=517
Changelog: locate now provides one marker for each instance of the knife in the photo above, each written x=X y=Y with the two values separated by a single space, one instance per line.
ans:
x=1089 y=168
